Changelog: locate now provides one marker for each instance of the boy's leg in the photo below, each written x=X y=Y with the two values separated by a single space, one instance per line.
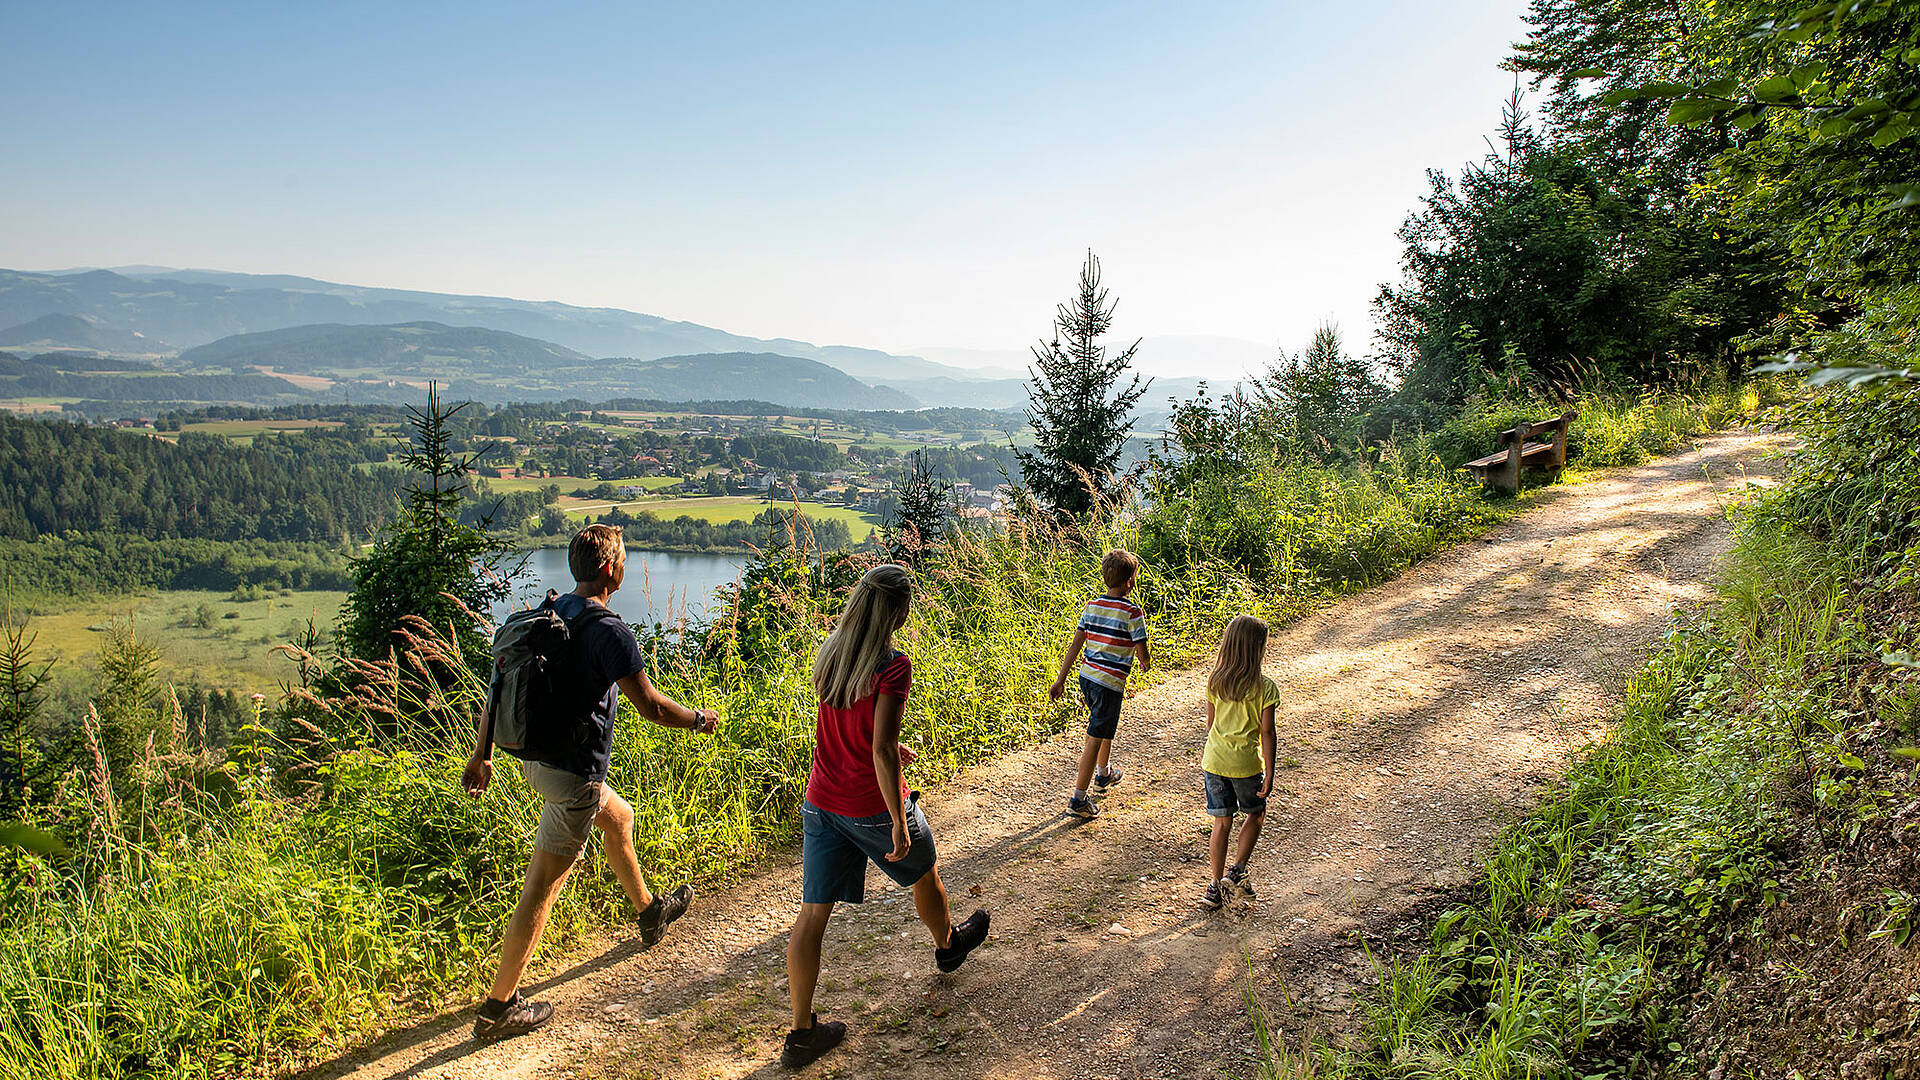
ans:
x=615 y=822
x=1106 y=751
x=545 y=874
x=803 y=960
x=1089 y=754
x=930 y=902
x=1249 y=833
x=1222 y=827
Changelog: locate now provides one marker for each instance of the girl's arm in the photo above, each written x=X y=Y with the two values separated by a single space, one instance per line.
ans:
x=1267 y=740
x=1066 y=665
x=886 y=767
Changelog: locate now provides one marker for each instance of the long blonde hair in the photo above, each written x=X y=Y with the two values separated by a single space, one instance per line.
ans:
x=843 y=671
x=1236 y=669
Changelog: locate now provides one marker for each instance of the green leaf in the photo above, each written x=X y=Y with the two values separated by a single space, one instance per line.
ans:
x=1776 y=90
x=1848 y=760
x=1906 y=751
x=1588 y=73
x=1653 y=91
x=1695 y=110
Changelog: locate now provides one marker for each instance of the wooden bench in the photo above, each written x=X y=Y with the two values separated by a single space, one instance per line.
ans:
x=1501 y=470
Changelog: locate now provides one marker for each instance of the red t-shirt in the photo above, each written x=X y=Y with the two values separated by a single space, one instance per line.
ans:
x=842 y=781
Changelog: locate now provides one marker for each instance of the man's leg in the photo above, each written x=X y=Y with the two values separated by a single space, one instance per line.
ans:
x=615 y=822
x=803 y=960
x=930 y=901
x=545 y=875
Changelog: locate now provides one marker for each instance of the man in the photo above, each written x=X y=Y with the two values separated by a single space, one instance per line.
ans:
x=607 y=659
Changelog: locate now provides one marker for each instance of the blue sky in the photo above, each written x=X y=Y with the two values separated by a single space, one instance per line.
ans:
x=889 y=175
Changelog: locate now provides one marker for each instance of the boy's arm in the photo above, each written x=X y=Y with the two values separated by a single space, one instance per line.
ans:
x=663 y=710
x=1066 y=665
x=887 y=710
x=1267 y=739
x=1145 y=655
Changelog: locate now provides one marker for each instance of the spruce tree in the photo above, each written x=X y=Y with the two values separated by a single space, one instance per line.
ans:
x=429 y=559
x=1079 y=406
x=923 y=512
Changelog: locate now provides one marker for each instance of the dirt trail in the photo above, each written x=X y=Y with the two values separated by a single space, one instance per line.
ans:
x=1418 y=719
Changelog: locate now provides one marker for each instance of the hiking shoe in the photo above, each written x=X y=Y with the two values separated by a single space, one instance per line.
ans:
x=804 y=1047
x=962 y=940
x=1237 y=877
x=1213 y=897
x=1082 y=808
x=517 y=1016
x=663 y=910
x=1105 y=780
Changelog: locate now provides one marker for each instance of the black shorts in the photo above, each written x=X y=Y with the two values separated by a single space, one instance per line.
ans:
x=1103 y=708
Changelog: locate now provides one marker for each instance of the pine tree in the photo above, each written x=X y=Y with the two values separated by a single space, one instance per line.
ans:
x=1080 y=409
x=22 y=693
x=429 y=563
x=922 y=512
x=1316 y=398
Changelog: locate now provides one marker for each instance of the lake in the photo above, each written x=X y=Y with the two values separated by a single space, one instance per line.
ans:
x=658 y=587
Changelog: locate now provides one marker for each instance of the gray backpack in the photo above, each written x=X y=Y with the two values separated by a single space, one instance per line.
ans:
x=540 y=707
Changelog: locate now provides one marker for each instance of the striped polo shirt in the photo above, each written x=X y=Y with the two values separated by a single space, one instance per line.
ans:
x=1113 y=625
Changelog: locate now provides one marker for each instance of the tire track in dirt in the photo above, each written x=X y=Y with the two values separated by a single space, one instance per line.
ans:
x=1418 y=719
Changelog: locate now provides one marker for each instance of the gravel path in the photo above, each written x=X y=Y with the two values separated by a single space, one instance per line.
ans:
x=1418 y=719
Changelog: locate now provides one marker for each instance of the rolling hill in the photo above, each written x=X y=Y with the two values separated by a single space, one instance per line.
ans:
x=62 y=331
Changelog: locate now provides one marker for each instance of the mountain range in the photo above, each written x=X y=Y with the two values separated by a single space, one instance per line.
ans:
x=317 y=336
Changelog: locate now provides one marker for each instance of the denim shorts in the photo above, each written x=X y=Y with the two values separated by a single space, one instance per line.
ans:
x=836 y=850
x=1103 y=708
x=1225 y=794
x=571 y=803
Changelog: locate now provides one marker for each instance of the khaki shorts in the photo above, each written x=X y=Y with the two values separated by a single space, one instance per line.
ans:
x=572 y=802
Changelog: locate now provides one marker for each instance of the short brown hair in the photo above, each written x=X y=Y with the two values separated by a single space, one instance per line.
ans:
x=592 y=548
x=1118 y=568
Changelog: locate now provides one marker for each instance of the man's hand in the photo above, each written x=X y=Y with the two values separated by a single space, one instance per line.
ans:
x=1058 y=690
x=706 y=721
x=902 y=842
x=477 y=775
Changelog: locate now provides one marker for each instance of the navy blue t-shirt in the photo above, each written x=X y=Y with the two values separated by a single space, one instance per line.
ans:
x=606 y=653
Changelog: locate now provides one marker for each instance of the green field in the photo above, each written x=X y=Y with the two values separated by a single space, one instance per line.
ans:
x=723 y=508
x=503 y=485
x=247 y=429
x=227 y=652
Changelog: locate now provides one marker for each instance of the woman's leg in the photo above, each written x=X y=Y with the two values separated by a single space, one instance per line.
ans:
x=803 y=960
x=930 y=901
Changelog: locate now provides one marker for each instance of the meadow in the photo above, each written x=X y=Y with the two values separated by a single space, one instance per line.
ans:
x=719 y=509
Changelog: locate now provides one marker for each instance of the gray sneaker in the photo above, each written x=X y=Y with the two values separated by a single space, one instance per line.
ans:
x=1105 y=780
x=1213 y=898
x=1082 y=808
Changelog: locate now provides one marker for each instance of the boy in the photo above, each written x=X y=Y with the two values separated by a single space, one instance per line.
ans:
x=1112 y=631
x=607 y=662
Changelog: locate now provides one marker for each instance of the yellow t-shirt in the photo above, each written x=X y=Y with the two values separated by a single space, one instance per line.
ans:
x=1233 y=745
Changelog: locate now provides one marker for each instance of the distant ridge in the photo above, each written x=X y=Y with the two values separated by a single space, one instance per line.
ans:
x=64 y=331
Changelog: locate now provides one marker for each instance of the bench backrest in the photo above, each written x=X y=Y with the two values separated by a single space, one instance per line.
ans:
x=1526 y=429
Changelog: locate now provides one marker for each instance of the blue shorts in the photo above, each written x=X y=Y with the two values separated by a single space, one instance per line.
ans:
x=1103 y=708
x=836 y=849
x=1225 y=794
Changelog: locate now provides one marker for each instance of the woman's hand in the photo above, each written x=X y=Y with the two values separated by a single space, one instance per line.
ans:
x=477 y=775
x=902 y=841
x=906 y=754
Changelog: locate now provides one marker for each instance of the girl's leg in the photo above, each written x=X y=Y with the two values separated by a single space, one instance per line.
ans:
x=1222 y=828
x=803 y=960
x=1249 y=833
x=930 y=901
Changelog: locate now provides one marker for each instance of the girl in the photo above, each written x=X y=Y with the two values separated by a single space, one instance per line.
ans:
x=857 y=808
x=1240 y=704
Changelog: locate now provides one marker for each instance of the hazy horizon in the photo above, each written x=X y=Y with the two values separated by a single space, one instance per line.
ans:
x=852 y=175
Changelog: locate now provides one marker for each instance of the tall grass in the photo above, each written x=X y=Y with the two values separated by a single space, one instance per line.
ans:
x=332 y=872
